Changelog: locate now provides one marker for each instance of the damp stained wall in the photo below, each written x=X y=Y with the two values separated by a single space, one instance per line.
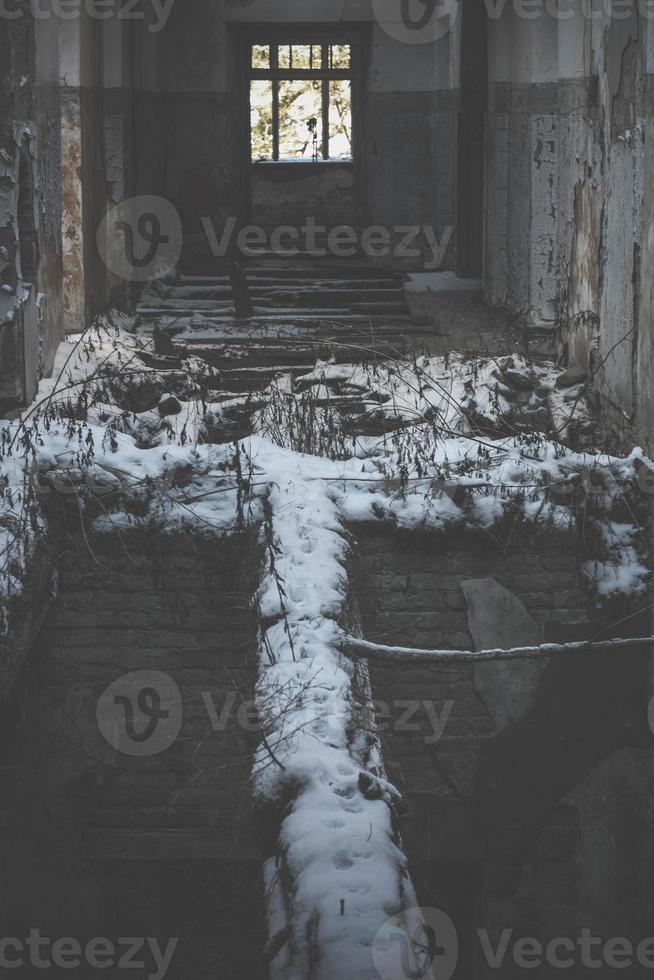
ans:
x=566 y=188
x=30 y=218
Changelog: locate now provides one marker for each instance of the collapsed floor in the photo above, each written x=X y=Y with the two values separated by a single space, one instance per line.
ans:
x=139 y=434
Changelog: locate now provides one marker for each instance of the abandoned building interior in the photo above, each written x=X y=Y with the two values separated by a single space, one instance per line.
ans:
x=327 y=390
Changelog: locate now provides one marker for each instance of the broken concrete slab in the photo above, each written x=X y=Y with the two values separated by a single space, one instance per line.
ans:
x=169 y=405
x=522 y=380
x=573 y=376
x=442 y=282
x=497 y=619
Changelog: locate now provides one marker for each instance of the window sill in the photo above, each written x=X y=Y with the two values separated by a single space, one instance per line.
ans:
x=312 y=164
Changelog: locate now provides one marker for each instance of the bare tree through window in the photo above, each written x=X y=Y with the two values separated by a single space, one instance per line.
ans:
x=301 y=101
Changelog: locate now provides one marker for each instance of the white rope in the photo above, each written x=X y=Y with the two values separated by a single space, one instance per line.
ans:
x=353 y=645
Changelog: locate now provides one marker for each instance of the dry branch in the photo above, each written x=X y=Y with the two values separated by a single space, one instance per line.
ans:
x=363 y=648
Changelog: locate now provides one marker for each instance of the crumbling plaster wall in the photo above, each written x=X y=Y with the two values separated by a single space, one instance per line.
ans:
x=645 y=345
x=30 y=311
x=565 y=187
x=66 y=102
x=84 y=196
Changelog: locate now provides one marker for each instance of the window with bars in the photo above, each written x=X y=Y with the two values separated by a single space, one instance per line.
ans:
x=301 y=101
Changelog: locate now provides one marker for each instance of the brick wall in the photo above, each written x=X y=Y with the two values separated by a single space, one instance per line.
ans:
x=536 y=825
x=411 y=596
x=413 y=581
x=106 y=843
x=542 y=824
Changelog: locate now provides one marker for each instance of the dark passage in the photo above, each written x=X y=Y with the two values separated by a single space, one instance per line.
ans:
x=100 y=842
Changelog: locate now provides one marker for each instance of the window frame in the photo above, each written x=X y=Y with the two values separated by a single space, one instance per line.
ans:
x=274 y=39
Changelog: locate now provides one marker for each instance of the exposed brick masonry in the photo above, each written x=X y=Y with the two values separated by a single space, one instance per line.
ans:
x=506 y=824
x=104 y=844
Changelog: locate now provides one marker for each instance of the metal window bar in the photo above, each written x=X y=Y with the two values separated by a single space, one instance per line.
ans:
x=274 y=64
x=326 y=49
x=325 y=74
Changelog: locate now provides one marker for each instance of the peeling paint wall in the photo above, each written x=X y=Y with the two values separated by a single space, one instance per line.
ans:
x=84 y=182
x=582 y=309
x=565 y=188
x=72 y=230
x=30 y=236
x=56 y=183
x=645 y=338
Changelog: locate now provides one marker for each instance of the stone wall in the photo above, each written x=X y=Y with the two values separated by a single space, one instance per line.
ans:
x=541 y=823
x=102 y=842
x=414 y=582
